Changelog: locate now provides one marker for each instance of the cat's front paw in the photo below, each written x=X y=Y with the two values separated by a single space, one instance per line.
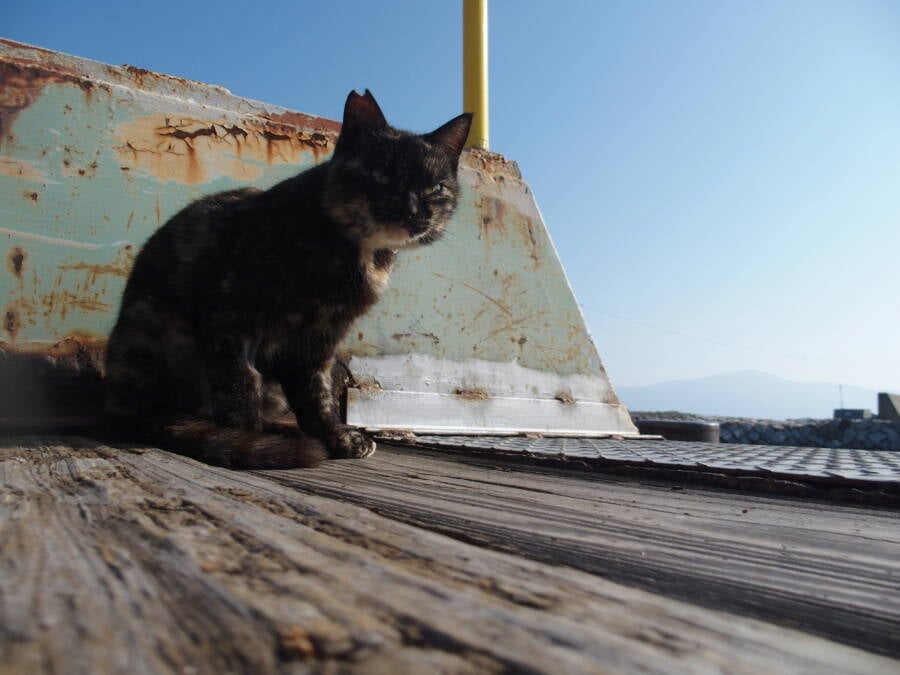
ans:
x=350 y=442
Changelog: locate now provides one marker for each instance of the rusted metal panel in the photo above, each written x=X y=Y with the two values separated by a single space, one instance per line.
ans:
x=93 y=158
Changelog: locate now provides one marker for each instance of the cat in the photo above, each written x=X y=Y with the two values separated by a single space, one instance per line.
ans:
x=238 y=302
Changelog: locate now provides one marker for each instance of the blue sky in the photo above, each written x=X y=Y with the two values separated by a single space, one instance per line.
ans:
x=721 y=179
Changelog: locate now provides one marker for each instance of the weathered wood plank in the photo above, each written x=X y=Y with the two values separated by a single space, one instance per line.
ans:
x=831 y=569
x=142 y=562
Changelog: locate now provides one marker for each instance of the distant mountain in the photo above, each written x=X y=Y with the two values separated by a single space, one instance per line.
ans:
x=749 y=393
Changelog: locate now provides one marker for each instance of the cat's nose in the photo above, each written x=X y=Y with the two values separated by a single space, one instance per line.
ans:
x=412 y=204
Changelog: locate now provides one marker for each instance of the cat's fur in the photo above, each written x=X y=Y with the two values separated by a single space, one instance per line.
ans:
x=244 y=295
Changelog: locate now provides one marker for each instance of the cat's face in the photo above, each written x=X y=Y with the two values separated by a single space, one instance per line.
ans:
x=389 y=189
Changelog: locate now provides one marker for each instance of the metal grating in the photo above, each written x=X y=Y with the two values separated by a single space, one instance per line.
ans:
x=881 y=466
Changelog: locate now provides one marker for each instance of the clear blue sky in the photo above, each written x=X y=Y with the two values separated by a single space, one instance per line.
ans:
x=721 y=179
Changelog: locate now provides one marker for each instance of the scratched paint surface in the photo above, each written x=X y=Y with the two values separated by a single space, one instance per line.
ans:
x=93 y=158
x=493 y=289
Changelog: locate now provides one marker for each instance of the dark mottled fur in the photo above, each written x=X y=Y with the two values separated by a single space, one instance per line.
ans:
x=239 y=301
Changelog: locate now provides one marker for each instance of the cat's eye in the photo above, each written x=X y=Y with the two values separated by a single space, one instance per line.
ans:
x=435 y=189
x=380 y=177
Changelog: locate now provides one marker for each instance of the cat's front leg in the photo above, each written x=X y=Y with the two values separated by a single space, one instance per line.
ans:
x=235 y=385
x=309 y=392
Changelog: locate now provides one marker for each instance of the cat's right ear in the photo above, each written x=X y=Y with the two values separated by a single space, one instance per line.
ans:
x=361 y=114
x=452 y=136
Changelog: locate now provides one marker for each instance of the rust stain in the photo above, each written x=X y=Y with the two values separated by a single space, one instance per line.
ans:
x=472 y=393
x=190 y=151
x=17 y=92
x=14 y=44
x=500 y=218
x=61 y=301
x=11 y=322
x=15 y=260
x=533 y=252
x=274 y=145
x=430 y=336
x=565 y=397
x=80 y=351
x=31 y=196
x=120 y=266
x=370 y=386
x=493 y=215
x=319 y=143
x=148 y=79
x=236 y=131
x=137 y=73
x=84 y=345
x=23 y=81
x=194 y=170
x=20 y=168
x=300 y=120
x=75 y=164
x=182 y=135
x=85 y=293
x=493 y=165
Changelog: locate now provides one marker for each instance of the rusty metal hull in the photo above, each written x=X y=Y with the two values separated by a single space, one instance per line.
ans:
x=480 y=331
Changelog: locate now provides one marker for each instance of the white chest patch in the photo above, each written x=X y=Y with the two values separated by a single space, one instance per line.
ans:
x=378 y=277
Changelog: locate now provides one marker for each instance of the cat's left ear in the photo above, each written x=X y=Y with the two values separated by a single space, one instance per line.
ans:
x=452 y=135
x=363 y=112
x=361 y=115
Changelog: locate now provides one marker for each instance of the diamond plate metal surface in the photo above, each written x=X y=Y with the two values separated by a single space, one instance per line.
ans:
x=879 y=466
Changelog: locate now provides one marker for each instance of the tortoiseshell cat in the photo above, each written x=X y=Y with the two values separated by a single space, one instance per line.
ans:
x=245 y=294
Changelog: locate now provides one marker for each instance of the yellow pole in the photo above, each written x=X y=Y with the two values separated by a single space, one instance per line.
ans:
x=475 y=70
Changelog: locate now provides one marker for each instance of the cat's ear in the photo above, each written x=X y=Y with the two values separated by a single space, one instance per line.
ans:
x=363 y=112
x=452 y=135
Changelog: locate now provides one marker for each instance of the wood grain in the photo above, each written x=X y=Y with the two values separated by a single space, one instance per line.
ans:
x=830 y=569
x=139 y=561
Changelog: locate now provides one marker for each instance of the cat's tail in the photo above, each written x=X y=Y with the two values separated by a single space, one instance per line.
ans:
x=202 y=439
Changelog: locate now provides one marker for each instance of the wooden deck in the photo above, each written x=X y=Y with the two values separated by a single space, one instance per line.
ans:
x=139 y=561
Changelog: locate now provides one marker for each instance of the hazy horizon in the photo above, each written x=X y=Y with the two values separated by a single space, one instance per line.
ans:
x=753 y=371
x=748 y=393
